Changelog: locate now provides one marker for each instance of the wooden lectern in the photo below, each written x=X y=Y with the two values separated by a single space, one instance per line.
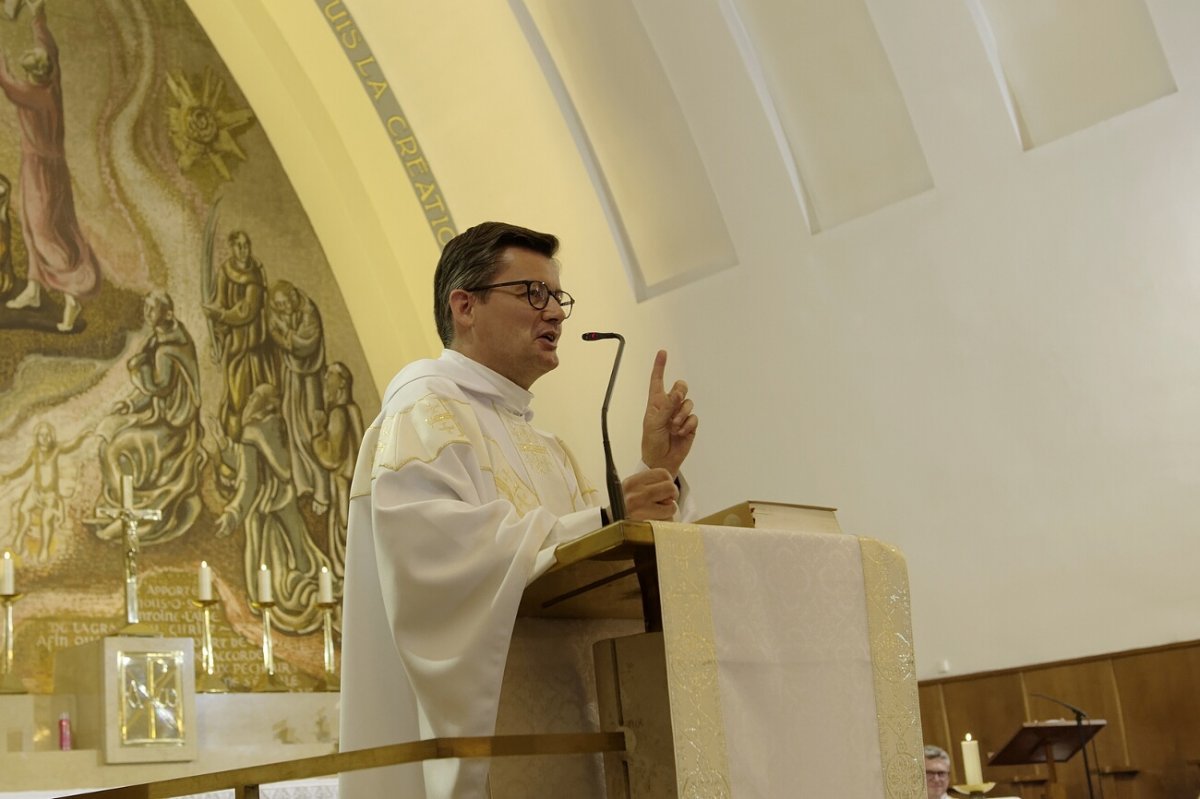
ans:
x=1047 y=742
x=780 y=652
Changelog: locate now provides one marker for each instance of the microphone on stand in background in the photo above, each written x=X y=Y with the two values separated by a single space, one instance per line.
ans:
x=1077 y=711
x=1080 y=715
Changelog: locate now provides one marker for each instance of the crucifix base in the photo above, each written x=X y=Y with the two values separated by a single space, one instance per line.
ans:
x=139 y=629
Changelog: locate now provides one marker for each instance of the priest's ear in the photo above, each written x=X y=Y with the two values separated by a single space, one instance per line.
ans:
x=462 y=308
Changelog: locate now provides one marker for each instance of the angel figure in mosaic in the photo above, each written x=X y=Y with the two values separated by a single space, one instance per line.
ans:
x=41 y=512
x=340 y=430
x=155 y=432
x=264 y=506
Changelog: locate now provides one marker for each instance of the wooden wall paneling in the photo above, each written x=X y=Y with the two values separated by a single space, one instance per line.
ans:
x=1150 y=697
x=1089 y=685
x=934 y=728
x=991 y=708
x=1160 y=697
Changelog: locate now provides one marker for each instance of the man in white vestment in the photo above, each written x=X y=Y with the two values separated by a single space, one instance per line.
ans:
x=458 y=502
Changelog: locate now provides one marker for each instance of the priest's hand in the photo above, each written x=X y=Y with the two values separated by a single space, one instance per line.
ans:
x=669 y=426
x=650 y=496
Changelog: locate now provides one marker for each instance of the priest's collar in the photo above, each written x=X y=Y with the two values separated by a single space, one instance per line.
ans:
x=478 y=378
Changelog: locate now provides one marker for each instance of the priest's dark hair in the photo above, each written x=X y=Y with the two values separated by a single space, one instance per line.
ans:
x=472 y=258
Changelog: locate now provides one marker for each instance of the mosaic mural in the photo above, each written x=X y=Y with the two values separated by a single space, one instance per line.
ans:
x=166 y=314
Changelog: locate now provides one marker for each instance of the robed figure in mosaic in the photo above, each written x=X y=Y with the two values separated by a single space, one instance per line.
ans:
x=339 y=432
x=60 y=257
x=239 y=323
x=156 y=433
x=264 y=506
x=294 y=324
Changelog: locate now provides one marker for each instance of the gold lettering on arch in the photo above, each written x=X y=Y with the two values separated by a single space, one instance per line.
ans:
x=404 y=140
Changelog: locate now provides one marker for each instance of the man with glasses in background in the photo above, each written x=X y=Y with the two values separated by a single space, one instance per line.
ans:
x=458 y=502
x=937 y=772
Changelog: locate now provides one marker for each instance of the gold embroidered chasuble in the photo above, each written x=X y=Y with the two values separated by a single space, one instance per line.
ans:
x=457 y=504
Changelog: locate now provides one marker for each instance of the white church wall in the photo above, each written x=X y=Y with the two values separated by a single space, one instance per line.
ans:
x=1000 y=374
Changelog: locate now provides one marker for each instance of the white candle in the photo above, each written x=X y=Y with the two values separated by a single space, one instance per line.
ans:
x=127 y=491
x=7 y=579
x=264 y=584
x=205 y=581
x=325 y=587
x=970 y=755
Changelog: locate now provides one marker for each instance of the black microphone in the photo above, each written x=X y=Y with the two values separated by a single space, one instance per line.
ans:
x=1070 y=707
x=616 y=497
x=1080 y=715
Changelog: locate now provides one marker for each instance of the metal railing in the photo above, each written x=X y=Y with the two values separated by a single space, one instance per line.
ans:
x=245 y=782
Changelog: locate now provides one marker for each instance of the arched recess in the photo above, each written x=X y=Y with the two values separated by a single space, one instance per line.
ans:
x=309 y=100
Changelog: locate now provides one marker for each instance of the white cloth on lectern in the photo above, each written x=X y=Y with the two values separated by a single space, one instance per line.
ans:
x=457 y=504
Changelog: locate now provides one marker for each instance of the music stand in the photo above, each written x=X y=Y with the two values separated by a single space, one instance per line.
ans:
x=1047 y=742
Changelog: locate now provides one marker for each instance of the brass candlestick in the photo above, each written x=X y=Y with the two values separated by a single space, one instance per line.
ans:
x=10 y=683
x=330 y=681
x=975 y=791
x=207 y=681
x=268 y=682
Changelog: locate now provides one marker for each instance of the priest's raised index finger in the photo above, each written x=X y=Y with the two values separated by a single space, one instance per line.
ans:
x=656 y=373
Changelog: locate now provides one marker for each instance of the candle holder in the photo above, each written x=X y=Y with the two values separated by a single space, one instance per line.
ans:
x=10 y=683
x=330 y=680
x=975 y=791
x=207 y=681
x=269 y=681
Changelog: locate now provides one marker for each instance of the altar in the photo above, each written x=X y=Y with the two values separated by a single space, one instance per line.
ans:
x=233 y=730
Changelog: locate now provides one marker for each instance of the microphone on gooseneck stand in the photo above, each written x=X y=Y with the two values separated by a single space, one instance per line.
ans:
x=643 y=557
x=1080 y=715
x=616 y=497
x=1077 y=711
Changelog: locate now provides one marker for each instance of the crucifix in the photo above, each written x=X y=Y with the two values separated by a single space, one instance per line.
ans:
x=130 y=517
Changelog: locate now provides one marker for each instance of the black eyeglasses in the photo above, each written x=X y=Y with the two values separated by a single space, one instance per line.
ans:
x=938 y=775
x=538 y=294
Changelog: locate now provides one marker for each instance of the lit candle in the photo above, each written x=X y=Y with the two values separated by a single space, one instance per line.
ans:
x=325 y=587
x=7 y=580
x=971 y=768
x=264 y=583
x=127 y=491
x=205 y=581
